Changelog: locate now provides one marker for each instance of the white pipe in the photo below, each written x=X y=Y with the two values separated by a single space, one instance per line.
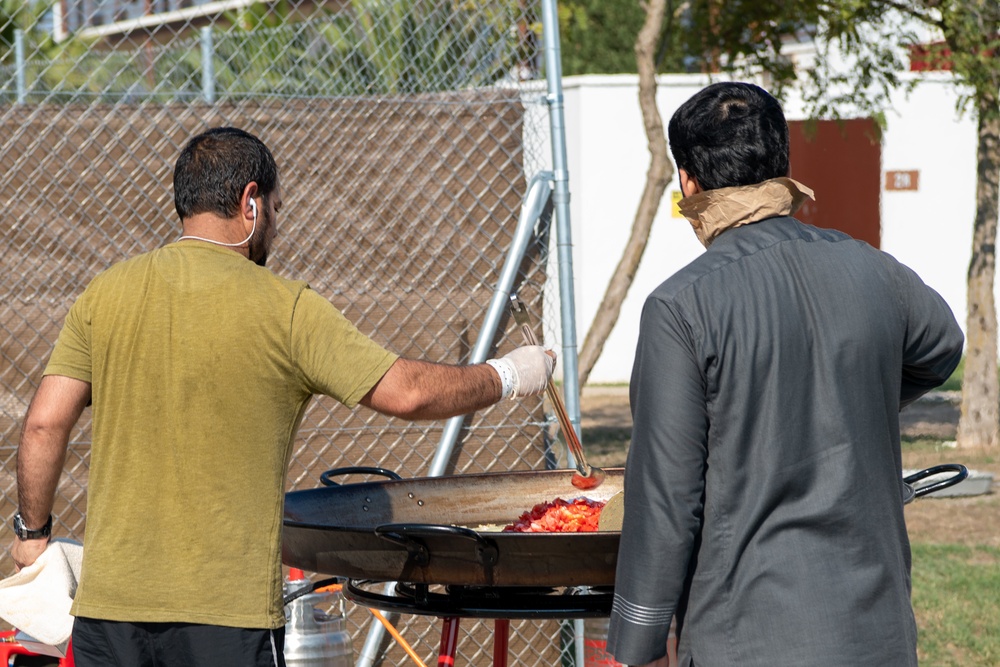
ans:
x=20 y=65
x=163 y=18
x=207 y=65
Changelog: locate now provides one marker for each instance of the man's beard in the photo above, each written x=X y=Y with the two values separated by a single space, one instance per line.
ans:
x=258 y=247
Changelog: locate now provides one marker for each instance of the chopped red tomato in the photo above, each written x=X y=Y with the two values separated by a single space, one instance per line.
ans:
x=579 y=515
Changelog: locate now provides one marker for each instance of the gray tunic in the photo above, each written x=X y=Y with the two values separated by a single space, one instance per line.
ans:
x=763 y=490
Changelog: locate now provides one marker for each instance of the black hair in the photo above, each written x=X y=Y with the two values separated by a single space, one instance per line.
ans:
x=215 y=167
x=730 y=134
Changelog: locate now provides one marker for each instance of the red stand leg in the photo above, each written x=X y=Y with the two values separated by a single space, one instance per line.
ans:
x=449 y=642
x=501 y=635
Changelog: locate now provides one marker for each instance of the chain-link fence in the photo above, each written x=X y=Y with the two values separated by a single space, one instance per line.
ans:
x=405 y=133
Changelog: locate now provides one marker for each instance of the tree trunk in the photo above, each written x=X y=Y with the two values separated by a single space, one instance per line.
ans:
x=979 y=424
x=657 y=178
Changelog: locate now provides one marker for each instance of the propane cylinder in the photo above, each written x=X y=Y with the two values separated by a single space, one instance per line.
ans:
x=595 y=644
x=314 y=636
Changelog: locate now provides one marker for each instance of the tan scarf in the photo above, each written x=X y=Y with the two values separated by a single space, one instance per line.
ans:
x=714 y=211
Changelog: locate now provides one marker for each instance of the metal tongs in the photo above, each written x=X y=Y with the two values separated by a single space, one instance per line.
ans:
x=586 y=476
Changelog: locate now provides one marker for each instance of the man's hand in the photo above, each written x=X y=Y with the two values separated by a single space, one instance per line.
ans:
x=525 y=371
x=26 y=552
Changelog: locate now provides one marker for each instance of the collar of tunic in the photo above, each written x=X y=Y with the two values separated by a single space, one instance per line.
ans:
x=714 y=211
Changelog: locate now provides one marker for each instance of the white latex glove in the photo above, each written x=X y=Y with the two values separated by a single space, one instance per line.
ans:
x=525 y=371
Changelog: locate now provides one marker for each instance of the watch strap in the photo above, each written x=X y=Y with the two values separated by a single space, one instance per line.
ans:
x=25 y=533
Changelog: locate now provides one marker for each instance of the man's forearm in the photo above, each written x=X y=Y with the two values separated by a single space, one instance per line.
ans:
x=44 y=437
x=40 y=459
x=414 y=389
x=419 y=390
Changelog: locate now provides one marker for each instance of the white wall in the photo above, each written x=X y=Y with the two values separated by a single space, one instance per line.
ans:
x=929 y=230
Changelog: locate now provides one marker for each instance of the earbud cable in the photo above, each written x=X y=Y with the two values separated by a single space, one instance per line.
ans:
x=228 y=245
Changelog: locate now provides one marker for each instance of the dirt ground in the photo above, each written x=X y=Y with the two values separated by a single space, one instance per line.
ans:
x=928 y=430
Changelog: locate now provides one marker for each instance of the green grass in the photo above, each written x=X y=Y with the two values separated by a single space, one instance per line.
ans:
x=956 y=596
x=922 y=445
x=925 y=452
x=954 y=383
x=956 y=588
x=606 y=446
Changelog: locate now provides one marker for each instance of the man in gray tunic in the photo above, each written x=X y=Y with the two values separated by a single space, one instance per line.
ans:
x=763 y=489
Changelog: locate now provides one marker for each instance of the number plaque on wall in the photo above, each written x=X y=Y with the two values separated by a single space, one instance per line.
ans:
x=902 y=180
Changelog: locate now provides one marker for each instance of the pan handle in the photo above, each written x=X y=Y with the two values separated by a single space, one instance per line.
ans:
x=408 y=534
x=961 y=472
x=326 y=479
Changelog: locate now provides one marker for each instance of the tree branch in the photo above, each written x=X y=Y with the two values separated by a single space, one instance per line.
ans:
x=914 y=13
x=657 y=178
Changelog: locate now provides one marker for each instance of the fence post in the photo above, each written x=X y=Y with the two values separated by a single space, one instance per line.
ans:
x=207 y=65
x=22 y=86
x=560 y=200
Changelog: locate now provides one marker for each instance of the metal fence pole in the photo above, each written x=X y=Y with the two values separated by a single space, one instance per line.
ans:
x=535 y=200
x=22 y=86
x=557 y=125
x=207 y=65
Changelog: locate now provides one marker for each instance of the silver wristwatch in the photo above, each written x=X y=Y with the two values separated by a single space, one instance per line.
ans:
x=25 y=533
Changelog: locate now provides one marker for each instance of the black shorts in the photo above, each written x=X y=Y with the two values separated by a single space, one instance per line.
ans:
x=98 y=643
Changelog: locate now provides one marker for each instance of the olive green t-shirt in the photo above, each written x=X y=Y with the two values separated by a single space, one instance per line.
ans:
x=201 y=364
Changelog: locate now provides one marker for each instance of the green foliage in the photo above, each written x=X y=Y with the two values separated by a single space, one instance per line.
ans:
x=871 y=41
x=416 y=46
x=260 y=15
x=746 y=35
x=20 y=15
x=745 y=38
x=8 y=24
x=972 y=44
x=68 y=71
x=956 y=603
x=374 y=47
x=598 y=36
x=378 y=47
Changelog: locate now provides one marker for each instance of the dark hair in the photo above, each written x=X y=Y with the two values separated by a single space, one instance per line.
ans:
x=215 y=167
x=730 y=134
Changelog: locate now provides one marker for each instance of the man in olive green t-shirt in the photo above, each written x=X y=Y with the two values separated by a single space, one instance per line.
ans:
x=199 y=365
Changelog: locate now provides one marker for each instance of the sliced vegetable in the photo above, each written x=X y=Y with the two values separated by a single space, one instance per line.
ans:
x=579 y=515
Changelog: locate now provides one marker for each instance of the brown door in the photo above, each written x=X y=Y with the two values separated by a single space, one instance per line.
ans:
x=841 y=162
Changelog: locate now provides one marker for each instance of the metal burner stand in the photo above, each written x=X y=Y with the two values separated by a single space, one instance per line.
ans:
x=499 y=603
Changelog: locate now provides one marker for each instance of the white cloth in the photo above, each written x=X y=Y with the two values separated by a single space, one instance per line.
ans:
x=37 y=599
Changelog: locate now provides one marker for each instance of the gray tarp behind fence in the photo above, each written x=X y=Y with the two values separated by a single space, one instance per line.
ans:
x=403 y=163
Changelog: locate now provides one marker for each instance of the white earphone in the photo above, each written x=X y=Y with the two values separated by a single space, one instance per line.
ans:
x=253 y=207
